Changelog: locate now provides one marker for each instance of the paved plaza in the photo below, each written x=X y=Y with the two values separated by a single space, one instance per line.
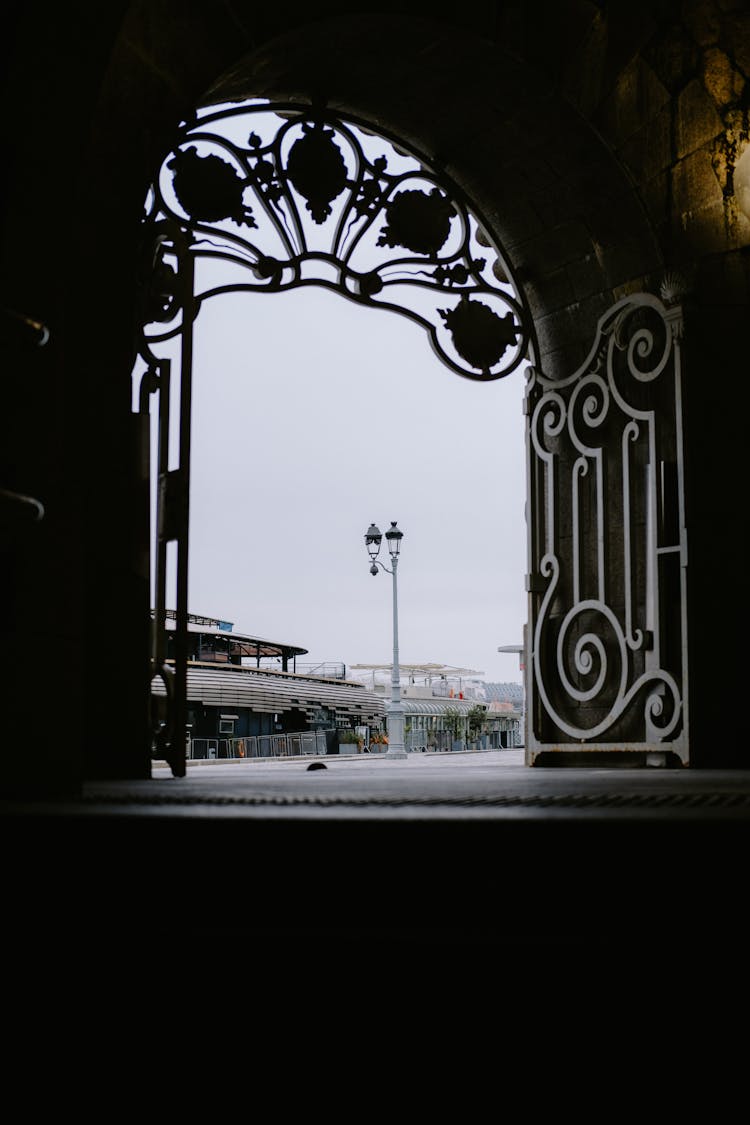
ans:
x=488 y=784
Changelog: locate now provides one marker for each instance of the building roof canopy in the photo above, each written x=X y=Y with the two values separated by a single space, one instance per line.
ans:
x=246 y=643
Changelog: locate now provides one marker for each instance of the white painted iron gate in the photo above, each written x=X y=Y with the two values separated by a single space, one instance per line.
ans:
x=606 y=643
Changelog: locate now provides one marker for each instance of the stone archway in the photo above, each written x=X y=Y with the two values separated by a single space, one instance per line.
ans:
x=602 y=149
x=556 y=198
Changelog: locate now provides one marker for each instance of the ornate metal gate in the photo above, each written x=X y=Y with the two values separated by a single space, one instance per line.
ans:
x=606 y=645
x=263 y=199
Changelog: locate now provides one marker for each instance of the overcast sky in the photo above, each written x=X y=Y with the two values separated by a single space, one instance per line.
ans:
x=312 y=418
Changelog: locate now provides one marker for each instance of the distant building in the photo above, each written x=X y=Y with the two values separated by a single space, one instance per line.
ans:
x=440 y=705
x=504 y=693
x=246 y=698
x=249 y=696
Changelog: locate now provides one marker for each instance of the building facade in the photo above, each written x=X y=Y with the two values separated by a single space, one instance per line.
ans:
x=246 y=699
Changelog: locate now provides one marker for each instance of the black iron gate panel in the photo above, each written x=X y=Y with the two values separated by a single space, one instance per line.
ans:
x=266 y=198
x=606 y=639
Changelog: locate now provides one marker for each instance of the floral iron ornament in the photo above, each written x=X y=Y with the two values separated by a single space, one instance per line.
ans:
x=317 y=170
x=269 y=198
x=481 y=337
x=208 y=188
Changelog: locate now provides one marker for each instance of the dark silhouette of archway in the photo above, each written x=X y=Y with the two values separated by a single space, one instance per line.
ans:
x=599 y=147
x=603 y=148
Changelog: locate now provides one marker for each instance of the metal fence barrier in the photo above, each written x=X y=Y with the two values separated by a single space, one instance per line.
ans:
x=312 y=743
x=419 y=741
x=304 y=744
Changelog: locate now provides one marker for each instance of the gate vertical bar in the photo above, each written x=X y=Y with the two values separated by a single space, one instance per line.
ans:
x=178 y=750
x=159 y=651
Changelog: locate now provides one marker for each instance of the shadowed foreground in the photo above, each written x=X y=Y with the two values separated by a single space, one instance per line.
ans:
x=446 y=850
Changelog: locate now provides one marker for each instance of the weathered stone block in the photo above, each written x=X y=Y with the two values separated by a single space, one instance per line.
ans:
x=674 y=57
x=703 y=21
x=694 y=186
x=638 y=97
x=727 y=278
x=697 y=120
x=585 y=276
x=737 y=33
x=649 y=151
x=722 y=81
x=567 y=243
x=551 y=291
x=582 y=83
x=555 y=202
x=701 y=231
x=656 y=199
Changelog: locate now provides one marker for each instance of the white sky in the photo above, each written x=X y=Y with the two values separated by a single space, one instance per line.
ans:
x=312 y=418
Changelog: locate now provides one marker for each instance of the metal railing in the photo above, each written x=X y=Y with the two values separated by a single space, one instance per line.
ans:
x=420 y=741
x=329 y=671
x=313 y=743
x=302 y=744
x=438 y=742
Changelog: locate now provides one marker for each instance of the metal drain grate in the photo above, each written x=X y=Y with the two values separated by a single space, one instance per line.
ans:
x=716 y=800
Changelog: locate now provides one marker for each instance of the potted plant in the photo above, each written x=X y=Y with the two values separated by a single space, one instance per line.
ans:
x=475 y=719
x=454 y=723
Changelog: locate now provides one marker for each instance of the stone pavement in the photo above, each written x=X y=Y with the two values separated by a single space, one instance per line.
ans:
x=487 y=784
x=451 y=849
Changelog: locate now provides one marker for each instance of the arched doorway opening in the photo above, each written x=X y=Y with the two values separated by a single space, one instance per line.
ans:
x=272 y=199
x=293 y=195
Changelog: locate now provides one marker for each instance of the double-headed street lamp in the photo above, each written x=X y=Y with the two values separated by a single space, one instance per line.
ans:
x=373 y=541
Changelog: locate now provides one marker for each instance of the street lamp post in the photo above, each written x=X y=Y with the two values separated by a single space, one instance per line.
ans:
x=373 y=541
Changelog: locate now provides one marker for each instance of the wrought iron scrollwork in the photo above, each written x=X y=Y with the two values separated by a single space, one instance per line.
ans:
x=609 y=547
x=282 y=196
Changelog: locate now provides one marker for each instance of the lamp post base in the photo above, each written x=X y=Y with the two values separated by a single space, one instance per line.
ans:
x=394 y=752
